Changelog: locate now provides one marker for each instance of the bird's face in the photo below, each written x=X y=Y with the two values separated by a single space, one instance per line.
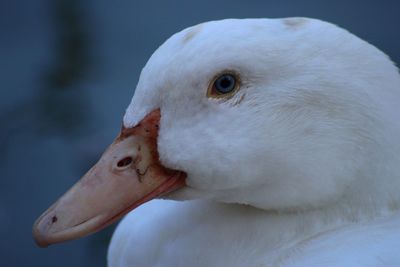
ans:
x=287 y=134
x=259 y=112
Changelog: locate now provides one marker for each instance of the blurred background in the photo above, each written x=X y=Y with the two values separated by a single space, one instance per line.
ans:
x=68 y=69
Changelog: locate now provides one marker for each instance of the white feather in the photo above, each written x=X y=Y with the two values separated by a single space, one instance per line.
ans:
x=310 y=143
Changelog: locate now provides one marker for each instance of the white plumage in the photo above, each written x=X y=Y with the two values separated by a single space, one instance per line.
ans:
x=301 y=167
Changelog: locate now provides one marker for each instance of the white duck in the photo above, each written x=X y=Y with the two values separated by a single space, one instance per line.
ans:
x=286 y=135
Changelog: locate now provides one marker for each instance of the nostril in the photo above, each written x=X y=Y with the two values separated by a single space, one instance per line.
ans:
x=124 y=162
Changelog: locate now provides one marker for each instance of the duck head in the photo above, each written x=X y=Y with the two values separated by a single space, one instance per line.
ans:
x=282 y=114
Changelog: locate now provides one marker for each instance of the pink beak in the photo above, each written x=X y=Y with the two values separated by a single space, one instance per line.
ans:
x=127 y=175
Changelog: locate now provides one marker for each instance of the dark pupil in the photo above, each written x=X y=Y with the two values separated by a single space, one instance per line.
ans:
x=124 y=162
x=225 y=84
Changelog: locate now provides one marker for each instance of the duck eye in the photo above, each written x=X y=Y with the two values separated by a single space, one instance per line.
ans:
x=225 y=83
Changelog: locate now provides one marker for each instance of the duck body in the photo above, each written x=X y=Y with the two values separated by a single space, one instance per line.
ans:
x=202 y=233
x=342 y=217
x=275 y=141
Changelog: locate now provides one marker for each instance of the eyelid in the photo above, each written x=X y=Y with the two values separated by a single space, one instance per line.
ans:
x=211 y=93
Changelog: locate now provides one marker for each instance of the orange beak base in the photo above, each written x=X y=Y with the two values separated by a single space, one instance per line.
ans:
x=127 y=175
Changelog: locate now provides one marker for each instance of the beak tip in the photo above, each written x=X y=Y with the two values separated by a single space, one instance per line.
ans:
x=39 y=235
x=40 y=239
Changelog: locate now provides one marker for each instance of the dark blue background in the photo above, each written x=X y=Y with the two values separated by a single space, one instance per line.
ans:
x=68 y=69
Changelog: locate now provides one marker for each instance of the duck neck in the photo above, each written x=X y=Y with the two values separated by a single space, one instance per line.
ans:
x=287 y=228
x=284 y=231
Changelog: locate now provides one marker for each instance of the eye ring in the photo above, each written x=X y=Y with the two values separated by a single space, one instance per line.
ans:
x=224 y=85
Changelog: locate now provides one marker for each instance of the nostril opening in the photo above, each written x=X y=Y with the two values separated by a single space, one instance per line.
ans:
x=124 y=162
x=54 y=219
